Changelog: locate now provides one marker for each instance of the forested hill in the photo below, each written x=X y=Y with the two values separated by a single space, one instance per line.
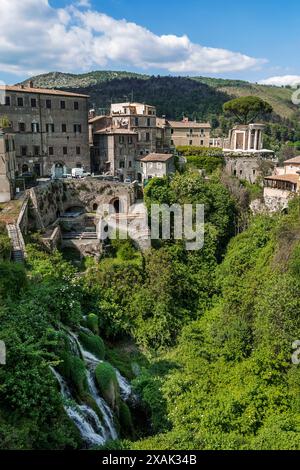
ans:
x=198 y=97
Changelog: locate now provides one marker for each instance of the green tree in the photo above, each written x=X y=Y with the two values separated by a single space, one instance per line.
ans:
x=247 y=109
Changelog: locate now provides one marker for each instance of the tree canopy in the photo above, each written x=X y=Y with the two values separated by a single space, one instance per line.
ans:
x=247 y=109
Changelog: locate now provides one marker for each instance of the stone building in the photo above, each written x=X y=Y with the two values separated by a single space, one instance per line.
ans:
x=50 y=127
x=283 y=185
x=163 y=136
x=156 y=165
x=139 y=118
x=244 y=155
x=189 y=133
x=7 y=166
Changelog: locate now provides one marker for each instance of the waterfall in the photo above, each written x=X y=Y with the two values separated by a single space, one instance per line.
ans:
x=91 y=362
x=93 y=432
x=85 y=419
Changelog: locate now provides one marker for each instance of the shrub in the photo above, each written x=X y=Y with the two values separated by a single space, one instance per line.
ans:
x=108 y=385
x=73 y=370
x=125 y=420
x=94 y=344
x=92 y=323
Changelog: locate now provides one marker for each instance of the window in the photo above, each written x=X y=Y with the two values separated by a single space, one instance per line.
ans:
x=78 y=165
x=76 y=105
x=78 y=150
x=33 y=102
x=122 y=164
x=64 y=128
x=77 y=128
x=234 y=172
x=36 y=150
x=148 y=122
x=254 y=172
x=130 y=164
x=191 y=131
x=172 y=131
x=147 y=136
x=159 y=165
x=7 y=101
x=202 y=142
x=22 y=127
x=48 y=104
x=51 y=150
x=241 y=172
x=130 y=140
x=172 y=142
x=65 y=150
x=20 y=102
x=121 y=139
x=35 y=127
x=50 y=128
x=136 y=121
x=23 y=150
x=191 y=142
x=62 y=105
x=7 y=146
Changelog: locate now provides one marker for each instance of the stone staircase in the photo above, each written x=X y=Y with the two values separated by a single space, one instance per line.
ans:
x=18 y=253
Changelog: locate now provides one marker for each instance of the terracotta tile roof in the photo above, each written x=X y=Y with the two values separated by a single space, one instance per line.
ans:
x=40 y=91
x=96 y=118
x=189 y=125
x=287 y=178
x=156 y=157
x=295 y=160
x=109 y=130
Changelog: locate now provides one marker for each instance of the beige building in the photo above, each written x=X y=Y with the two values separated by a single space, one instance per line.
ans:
x=139 y=118
x=50 y=127
x=156 y=165
x=189 y=133
x=282 y=185
x=163 y=136
x=7 y=166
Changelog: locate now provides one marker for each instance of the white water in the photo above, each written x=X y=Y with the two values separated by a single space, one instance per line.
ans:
x=86 y=420
x=91 y=362
x=93 y=432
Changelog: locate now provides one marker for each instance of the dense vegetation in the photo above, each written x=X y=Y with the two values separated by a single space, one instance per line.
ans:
x=206 y=336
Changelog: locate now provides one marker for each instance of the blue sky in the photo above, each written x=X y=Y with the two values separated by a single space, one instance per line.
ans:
x=260 y=38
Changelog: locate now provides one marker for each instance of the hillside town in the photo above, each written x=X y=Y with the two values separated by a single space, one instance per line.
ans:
x=50 y=133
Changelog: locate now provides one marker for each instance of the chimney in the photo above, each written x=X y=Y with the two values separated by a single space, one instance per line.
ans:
x=31 y=84
x=185 y=119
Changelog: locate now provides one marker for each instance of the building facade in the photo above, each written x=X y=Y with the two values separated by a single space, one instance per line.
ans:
x=156 y=165
x=139 y=118
x=189 y=133
x=7 y=166
x=50 y=127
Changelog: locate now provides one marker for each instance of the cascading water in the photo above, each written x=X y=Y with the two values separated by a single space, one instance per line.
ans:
x=93 y=432
x=85 y=419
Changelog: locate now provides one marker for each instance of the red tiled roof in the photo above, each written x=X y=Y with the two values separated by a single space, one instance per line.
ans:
x=295 y=160
x=287 y=178
x=189 y=125
x=40 y=91
x=157 y=157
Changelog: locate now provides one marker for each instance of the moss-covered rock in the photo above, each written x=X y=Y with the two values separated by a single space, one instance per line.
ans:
x=93 y=323
x=125 y=420
x=73 y=369
x=93 y=344
x=108 y=384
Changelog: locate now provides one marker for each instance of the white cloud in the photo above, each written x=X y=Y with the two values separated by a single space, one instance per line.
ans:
x=84 y=3
x=283 y=80
x=35 y=38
